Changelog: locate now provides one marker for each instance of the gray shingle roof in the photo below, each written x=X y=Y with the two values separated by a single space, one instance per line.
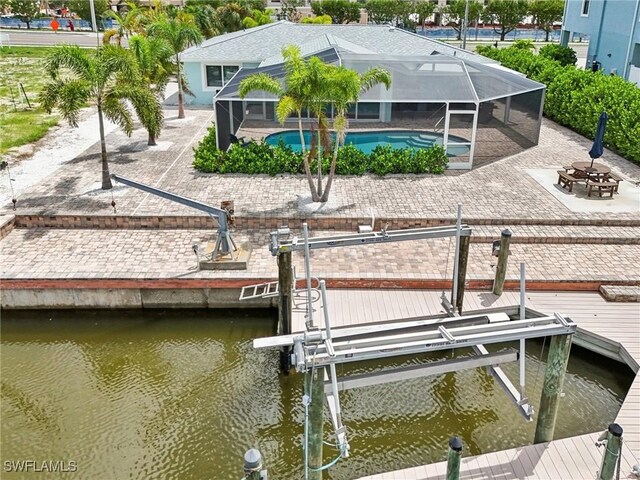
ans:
x=257 y=44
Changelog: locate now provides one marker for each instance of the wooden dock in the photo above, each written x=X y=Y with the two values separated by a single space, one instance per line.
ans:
x=612 y=329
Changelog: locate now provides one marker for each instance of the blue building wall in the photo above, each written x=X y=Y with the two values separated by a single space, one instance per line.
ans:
x=610 y=24
x=193 y=74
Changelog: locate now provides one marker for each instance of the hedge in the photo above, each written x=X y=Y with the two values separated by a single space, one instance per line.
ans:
x=575 y=98
x=260 y=158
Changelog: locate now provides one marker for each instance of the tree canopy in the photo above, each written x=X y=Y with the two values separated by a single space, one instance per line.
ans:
x=545 y=13
x=25 y=10
x=505 y=15
x=340 y=11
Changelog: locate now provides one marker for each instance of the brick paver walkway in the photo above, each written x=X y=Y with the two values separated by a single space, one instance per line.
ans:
x=50 y=253
x=501 y=190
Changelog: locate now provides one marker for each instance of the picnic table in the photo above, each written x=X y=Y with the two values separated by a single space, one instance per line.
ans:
x=596 y=177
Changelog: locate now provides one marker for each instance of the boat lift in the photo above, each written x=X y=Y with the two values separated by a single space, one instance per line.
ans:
x=317 y=348
x=224 y=245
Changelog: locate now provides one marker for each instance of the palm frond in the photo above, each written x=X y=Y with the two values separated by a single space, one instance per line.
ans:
x=375 y=76
x=71 y=57
x=148 y=109
x=68 y=97
x=259 y=81
x=286 y=107
x=115 y=109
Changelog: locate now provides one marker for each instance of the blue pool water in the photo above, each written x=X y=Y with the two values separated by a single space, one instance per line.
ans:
x=367 y=141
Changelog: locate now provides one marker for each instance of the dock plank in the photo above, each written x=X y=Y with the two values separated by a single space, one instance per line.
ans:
x=569 y=458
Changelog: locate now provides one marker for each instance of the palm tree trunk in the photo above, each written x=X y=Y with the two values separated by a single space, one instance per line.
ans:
x=332 y=170
x=302 y=144
x=319 y=162
x=180 y=104
x=312 y=188
x=152 y=140
x=106 y=178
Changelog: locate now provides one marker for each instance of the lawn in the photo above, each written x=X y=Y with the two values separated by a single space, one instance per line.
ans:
x=20 y=124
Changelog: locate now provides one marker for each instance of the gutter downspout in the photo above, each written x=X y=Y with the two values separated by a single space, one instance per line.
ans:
x=627 y=59
x=604 y=9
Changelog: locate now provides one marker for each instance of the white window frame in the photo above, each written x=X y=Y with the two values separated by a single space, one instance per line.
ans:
x=205 y=86
x=588 y=4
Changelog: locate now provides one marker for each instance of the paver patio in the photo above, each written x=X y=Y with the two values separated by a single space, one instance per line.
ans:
x=499 y=190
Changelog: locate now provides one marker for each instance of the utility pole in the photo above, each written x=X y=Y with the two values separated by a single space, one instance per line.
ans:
x=94 y=24
x=466 y=25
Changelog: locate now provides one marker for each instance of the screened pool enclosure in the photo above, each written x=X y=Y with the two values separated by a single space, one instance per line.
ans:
x=491 y=111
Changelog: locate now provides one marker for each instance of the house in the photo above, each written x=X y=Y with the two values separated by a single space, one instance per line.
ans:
x=470 y=103
x=614 y=30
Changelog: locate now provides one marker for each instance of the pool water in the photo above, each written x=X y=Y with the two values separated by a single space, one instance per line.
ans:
x=181 y=394
x=367 y=141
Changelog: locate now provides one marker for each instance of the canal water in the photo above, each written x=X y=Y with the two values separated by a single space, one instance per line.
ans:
x=182 y=394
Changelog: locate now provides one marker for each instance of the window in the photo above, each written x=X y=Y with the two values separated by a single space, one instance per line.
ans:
x=585 y=7
x=229 y=72
x=368 y=111
x=214 y=76
x=218 y=75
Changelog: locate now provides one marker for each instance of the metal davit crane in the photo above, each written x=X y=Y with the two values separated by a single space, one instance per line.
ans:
x=225 y=253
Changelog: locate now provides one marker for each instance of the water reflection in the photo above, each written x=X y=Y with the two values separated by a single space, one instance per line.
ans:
x=179 y=394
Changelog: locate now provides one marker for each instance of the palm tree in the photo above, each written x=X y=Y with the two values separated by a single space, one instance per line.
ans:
x=344 y=88
x=310 y=84
x=107 y=78
x=127 y=23
x=293 y=99
x=154 y=60
x=180 y=32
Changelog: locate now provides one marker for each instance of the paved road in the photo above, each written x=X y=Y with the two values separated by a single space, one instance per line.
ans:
x=44 y=38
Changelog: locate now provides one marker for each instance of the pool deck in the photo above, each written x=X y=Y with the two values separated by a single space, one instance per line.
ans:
x=616 y=325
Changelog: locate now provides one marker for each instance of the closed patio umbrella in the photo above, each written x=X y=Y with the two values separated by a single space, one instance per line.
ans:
x=598 y=142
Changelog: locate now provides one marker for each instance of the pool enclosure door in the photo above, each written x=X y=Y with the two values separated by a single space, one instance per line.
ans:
x=460 y=137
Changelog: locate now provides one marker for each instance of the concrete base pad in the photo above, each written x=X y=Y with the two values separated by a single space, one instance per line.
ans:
x=226 y=262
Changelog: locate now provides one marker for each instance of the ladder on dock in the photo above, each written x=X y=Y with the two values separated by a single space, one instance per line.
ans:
x=260 y=290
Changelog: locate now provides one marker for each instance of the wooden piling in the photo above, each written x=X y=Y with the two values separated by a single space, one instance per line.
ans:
x=252 y=465
x=551 y=391
x=315 y=387
x=285 y=286
x=453 y=458
x=465 y=241
x=612 y=452
x=501 y=268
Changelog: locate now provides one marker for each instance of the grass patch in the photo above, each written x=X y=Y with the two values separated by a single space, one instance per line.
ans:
x=19 y=124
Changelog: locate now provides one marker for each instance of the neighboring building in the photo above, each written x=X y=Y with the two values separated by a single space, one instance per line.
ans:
x=435 y=87
x=614 y=30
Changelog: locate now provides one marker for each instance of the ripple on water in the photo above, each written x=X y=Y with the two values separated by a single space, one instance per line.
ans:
x=174 y=397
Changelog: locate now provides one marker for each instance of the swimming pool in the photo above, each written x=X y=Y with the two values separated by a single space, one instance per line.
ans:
x=367 y=141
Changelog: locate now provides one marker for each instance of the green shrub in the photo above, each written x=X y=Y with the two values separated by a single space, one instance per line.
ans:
x=575 y=98
x=524 y=44
x=351 y=161
x=260 y=158
x=564 y=55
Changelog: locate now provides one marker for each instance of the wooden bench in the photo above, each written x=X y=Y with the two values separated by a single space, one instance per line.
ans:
x=615 y=178
x=566 y=180
x=602 y=187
